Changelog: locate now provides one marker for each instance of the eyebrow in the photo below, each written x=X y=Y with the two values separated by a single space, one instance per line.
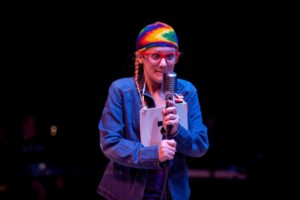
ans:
x=160 y=52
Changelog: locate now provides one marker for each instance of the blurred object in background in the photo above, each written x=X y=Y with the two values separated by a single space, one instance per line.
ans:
x=41 y=171
x=6 y=166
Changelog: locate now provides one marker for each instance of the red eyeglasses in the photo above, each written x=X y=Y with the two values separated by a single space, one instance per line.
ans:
x=155 y=57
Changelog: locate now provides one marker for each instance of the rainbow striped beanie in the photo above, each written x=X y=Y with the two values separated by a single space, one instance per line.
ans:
x=156 y=34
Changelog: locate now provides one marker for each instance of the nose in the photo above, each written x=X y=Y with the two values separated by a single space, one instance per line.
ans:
x=163 y=62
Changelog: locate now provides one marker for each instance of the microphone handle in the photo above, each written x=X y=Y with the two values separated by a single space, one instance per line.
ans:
x=169 y=127
x=166 y=163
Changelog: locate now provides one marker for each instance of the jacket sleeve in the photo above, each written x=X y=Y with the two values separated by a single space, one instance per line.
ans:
x=113 y=142
x=194 y=141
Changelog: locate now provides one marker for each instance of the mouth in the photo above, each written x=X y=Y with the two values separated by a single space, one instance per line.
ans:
x=159 y=73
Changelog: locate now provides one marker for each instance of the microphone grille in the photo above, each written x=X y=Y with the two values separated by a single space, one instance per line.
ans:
x=169 y=82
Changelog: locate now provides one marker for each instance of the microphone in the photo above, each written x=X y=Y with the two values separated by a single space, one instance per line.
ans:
x=169 y=84
x=170 y=80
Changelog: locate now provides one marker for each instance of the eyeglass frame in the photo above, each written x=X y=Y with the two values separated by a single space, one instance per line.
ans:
x=162 y=55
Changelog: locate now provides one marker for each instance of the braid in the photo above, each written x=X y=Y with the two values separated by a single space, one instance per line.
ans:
x=138 y=70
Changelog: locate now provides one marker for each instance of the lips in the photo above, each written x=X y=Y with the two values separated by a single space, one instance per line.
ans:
x=159 y=73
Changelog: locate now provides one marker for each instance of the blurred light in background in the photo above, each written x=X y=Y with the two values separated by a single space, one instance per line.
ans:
x=53 y=130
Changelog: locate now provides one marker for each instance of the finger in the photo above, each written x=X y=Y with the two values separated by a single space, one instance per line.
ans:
x=171 y=157
x=172 y=150
x=171 y=117
x=164 y=111
x=174 y=123
x=171 y=103
x=168 y=111
x=171 y=110
x=172 y=142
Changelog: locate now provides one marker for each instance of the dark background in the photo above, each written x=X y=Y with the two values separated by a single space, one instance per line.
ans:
x=58 y=63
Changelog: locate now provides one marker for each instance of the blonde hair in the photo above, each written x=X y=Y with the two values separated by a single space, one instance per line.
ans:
x=138 y=78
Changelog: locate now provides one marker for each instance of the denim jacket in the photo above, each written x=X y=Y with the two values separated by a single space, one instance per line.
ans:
x=126 y=173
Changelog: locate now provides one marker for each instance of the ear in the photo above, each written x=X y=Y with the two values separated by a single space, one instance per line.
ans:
x=139 y=58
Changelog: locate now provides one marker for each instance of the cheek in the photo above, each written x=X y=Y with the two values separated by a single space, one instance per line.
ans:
x=147 y=66
x=145 y=69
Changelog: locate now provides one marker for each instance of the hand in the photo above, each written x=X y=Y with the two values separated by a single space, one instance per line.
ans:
x=166 y=150
x=170 y=118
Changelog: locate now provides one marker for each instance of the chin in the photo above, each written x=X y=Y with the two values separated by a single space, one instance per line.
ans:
x=160 y=78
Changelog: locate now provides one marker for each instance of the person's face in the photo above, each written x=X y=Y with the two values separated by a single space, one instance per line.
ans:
x=158 y=60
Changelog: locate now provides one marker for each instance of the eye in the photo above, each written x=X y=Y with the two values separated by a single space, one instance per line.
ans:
x=170 y=56
x=155 y=56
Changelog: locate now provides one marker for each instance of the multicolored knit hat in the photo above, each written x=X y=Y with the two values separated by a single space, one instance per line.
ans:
x=156 y=34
